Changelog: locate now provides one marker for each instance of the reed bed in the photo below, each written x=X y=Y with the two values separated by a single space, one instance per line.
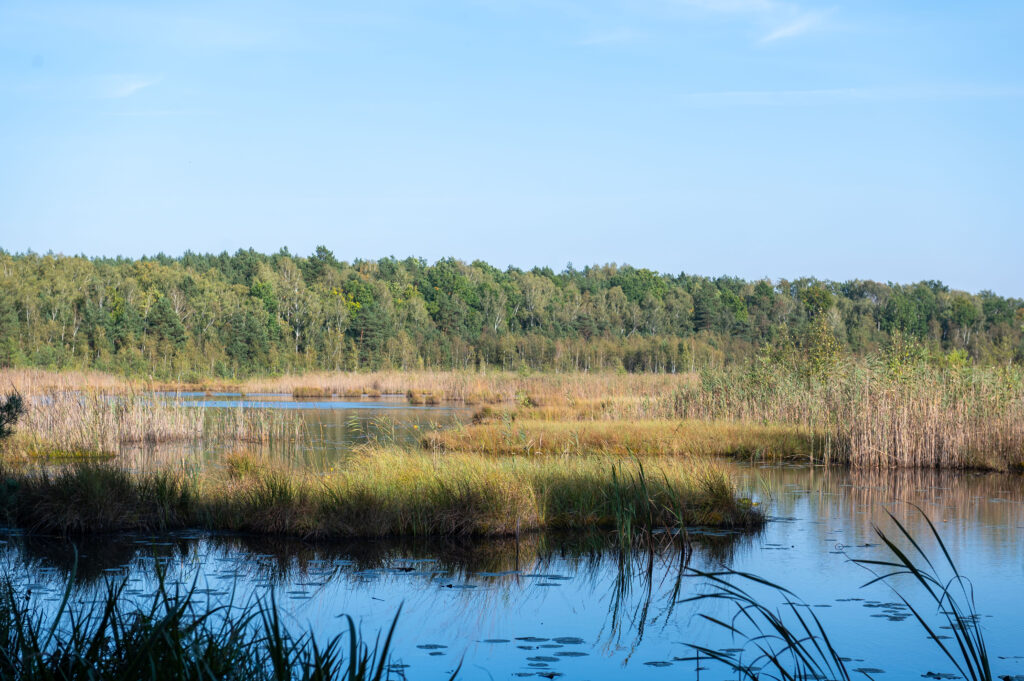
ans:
x=625 y=438
x=379 y=492
x=72 y=423
x=863 y=413
x=42 y=381
x=867 y=417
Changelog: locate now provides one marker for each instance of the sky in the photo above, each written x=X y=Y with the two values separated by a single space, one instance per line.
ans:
x=754 y=138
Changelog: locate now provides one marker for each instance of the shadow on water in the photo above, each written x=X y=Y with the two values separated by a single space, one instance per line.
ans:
x=645 y=581
x=94 y=558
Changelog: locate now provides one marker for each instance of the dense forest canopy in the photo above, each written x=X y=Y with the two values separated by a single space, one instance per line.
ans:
x=233 y=315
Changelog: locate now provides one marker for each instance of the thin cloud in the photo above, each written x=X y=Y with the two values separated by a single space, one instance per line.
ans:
x=737 y=6
x=158 y=113
x=783 y=19
x=119 y=87
x=792 y=29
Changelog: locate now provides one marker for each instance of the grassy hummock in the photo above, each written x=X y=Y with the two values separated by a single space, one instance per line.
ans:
x=620 y=437
x=380 y=492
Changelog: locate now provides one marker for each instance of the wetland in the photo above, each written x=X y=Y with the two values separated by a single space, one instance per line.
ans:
x=553 y=600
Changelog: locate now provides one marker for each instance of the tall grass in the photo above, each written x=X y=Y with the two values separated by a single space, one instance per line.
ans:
x=869 y=416
x=379 y=492
x=174 y=636
x=72 y=422
x=865 y=413
x=621 y=437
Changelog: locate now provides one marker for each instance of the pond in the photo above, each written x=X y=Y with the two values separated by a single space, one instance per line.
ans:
x=573 y=607
x=329 y=427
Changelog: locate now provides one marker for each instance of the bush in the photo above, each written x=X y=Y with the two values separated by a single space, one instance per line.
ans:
x=12 y=408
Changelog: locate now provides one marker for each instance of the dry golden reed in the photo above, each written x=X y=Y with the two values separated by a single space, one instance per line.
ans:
x=71 y=423
x=862 y=413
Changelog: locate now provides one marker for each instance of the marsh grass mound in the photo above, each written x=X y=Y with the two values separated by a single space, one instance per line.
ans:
x=495 y=433
x=380 y=492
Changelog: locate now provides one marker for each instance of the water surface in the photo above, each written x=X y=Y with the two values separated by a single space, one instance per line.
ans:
x=573 y=607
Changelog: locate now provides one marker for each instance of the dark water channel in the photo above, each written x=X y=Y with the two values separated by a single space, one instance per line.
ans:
x=573 y=608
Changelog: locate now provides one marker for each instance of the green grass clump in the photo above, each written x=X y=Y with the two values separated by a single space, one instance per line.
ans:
x=311 y=391
x=174 y=636
x=94 y=498
x=379 y=492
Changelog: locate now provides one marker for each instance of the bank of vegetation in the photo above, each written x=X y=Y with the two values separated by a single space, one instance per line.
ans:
x=863 y=414
x=74 y=424
x=895 y=409
x=378 y=492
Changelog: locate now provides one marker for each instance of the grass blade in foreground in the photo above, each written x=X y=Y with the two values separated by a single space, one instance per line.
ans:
x=953 y=597
x=174 y=636
x=792 y=644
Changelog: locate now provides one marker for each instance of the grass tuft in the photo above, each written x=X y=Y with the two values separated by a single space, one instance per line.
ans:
x=377 y=492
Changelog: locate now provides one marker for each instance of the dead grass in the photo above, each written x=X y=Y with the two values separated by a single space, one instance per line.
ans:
x=692 y=438
x=65 y=424
x=864 y=413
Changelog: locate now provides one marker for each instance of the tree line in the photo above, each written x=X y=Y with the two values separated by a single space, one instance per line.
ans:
x=203 y=315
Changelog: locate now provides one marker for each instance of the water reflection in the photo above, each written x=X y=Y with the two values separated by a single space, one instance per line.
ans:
x=322 y=431
x=576 y=605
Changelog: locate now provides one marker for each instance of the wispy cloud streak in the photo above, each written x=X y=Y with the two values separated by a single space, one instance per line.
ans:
x=787 y=19
x=121 y=86
x=799 y=26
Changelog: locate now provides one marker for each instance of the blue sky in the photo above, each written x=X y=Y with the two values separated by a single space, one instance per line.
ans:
x=865 y=139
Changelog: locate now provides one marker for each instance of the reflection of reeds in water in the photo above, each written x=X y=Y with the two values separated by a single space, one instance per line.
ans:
x=967 y=501
x=71 y=423
x=641 y=587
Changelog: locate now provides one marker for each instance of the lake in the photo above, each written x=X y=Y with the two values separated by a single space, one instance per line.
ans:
x=572 y=607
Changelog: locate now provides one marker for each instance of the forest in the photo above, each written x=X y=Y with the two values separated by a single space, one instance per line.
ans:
x=230 y=316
